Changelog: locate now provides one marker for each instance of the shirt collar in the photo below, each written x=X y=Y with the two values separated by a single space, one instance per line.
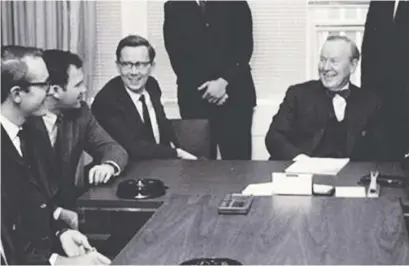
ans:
x=11 y=128
x=49 y=120
x=137 y=95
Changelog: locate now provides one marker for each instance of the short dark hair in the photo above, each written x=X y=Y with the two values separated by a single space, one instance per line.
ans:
x=135 y=41
x=58 y=63
x=14 y=71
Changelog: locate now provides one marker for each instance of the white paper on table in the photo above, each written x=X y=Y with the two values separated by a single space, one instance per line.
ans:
x=259 y=189
x=350 y=192
x=318 y=166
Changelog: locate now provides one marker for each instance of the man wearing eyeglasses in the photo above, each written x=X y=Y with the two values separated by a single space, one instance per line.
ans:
x=69 y=128
x=129 y=105
x=29 y=233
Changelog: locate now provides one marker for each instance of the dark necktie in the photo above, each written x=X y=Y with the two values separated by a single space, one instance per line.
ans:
x=147 y=120
x=344 y=93
x=57 y=126
x=23 y=145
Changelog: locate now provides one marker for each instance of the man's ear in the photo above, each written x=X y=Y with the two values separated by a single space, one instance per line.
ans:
x=354 y=65
x=55 y=91
x=15 y=94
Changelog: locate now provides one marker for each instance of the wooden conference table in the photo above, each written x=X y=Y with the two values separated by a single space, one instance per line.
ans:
x=277 y=230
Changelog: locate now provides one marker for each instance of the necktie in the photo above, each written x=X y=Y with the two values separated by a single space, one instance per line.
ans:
x=23 y=144
x=147 y=119
x=339 y=102
x=56 y=131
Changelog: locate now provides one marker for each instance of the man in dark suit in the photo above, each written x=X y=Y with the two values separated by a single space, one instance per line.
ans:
x=69 y=128
x=385 y=67
x=129 y=105
x=330 y=117
x=210 y=44
x=30 y=235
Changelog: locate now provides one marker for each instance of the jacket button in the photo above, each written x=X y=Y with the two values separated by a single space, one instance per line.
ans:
x=14 y=227
x=42 y=206
x=207 y=25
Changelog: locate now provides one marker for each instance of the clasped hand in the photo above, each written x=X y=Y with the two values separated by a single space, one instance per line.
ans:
x=215 y=91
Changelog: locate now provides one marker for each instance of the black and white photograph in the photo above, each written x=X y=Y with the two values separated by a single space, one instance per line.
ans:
x=204 y=132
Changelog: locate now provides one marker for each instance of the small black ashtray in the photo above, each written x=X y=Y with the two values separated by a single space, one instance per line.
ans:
x=211 y=261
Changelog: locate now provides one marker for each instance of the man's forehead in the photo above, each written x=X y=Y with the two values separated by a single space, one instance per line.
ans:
x=138 y=53
x=75 y=74
x=336 y=48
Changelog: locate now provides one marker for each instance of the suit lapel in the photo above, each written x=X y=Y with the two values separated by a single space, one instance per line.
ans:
x=9 y=150
x=128 y=107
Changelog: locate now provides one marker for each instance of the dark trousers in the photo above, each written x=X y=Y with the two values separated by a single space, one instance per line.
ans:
x=230 y=128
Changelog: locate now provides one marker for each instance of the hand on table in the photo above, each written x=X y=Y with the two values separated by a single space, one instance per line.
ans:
x=100 y=173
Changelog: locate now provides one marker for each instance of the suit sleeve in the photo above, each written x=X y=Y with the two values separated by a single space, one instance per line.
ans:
x=242 y=45
x=277 y=140
x=180 y=61
x=99 y=143
x=111 y=118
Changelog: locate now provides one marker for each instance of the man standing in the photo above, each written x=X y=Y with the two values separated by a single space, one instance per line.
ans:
x=330 y=117
x=29 y=233
x=385 y=67
x=129 y=105
x=69 y=128
x=210 y=44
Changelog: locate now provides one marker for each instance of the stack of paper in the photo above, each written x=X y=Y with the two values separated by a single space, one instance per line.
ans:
x=260 y=189
x=318 y=166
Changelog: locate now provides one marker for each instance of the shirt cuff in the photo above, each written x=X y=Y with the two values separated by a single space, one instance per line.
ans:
x=116 y=167
x=57 y=213
x=53 y=258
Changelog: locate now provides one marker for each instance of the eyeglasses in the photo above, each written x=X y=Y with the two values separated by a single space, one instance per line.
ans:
x=138 y=65
x=46 y=85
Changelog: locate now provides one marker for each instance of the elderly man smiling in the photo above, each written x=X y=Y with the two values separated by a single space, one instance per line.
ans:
x=329 y=117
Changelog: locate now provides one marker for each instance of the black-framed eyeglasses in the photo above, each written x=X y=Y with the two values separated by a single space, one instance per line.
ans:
x=44 y=85
x=137 y=65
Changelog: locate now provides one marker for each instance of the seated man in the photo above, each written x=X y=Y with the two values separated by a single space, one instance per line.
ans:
x=29 y=234
x=329 y=117
x=69 y=128
x=129 y=105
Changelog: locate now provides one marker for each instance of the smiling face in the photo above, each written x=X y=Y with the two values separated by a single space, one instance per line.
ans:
x=336 y=64
x=73 y=93
x=135 y=67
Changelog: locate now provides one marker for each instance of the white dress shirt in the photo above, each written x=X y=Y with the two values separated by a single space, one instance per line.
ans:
x=339 y=104
x=138 y=104
x=12 y=131
x=50 y=120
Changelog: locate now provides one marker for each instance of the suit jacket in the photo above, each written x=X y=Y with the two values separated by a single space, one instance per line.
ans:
x=27 y=204
x=79 y=131
x=299 y=125
x=385 y=69
x=116 y=112
x=203 y=47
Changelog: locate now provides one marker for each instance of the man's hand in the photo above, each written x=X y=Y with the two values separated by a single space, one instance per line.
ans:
x=185 y=155
x=70 y=218
x=216 y=89
x=91 y=258
x=100 y=173
x=74 y=243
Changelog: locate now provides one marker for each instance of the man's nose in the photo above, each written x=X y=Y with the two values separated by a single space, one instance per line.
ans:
x=326 y=65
